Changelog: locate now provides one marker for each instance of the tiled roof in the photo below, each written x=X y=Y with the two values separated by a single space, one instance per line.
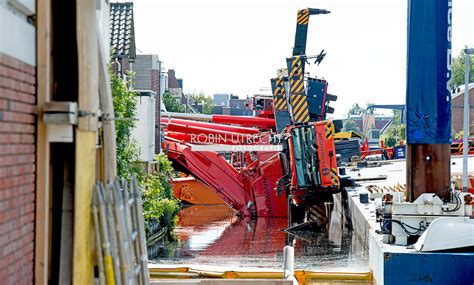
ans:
x=122 y=31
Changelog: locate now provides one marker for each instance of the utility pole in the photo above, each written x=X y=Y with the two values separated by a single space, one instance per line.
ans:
x=465 y=141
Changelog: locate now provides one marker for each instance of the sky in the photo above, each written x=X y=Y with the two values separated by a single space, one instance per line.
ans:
x=236 y=46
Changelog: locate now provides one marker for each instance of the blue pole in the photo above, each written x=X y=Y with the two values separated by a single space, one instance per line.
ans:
x=428 y=96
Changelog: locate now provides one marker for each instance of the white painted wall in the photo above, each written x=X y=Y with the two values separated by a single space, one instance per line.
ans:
x=103 y=23
x=144 y=131
x=17 y=36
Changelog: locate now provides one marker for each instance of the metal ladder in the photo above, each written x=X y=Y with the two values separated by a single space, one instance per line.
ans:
x=121 y=252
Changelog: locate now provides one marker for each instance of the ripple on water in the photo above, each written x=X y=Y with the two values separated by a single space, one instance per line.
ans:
x=213 y=235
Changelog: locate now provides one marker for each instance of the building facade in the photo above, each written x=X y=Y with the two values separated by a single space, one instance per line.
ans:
x=457 y=105
x=17 y=141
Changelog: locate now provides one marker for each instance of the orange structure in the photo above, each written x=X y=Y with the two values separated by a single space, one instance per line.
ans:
x=193 y=191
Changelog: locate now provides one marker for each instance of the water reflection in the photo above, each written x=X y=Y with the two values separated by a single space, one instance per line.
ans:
x=213 y=235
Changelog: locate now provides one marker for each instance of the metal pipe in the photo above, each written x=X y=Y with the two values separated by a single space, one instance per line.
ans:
x=221 y=127
x=465 y=142
x=289 y=262
x=151 y=124
x=196 y=117
x=246 y=121
x=203 y=135
x=186 y=137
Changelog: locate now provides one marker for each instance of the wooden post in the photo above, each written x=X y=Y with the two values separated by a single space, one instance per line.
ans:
x=106 y=105
x=428 y=169
x=43 y=77
x=86 y=29
x=86 y=136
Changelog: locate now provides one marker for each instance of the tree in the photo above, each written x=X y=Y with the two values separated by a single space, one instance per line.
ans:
x=350 y=125
x=159 y=204
x=396 y=131
x=172 y=104
x=458 y=72
x=125 y=110
x=356 y=109
x=206 y=101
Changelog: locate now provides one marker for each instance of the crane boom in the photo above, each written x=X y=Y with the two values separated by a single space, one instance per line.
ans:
x=302 y=29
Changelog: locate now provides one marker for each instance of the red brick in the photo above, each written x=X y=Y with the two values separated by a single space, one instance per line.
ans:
x=17 y=64
x=21 y=107
x=15 y=74
x=17 y=96
x=16 y=128
x=16 y=149
x=17 y=170
x=13 y=84
x=17 y=117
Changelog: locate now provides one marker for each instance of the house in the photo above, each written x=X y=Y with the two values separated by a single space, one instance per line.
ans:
x=371 y=126
x=51 y=54
x=147 y=78
x=457 y=107
x=221 y=100
x=122 y=36
x=150 y=78
x=175 y=85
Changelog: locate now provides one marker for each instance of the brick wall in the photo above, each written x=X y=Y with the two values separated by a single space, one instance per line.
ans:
x=17 y=170
x=457 y=118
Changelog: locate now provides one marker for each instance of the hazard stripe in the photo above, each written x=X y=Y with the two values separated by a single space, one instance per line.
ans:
x=300 y=87
x=299 y=104
x=329 y=129
x=296 y=101
x=280 y=104
x=297 y=86
x=334 y=177
x=296 y=60
x=303 y=16
x=302 y=114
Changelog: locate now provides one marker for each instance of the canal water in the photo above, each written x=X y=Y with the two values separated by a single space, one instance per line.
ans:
x=215 y=236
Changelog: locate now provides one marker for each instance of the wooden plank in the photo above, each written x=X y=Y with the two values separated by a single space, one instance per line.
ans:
x=428 y=169
x=83 y=249
x=86 y=135
x=57 y=106
x=109 y=146
x=43 y=84
x=86 y=29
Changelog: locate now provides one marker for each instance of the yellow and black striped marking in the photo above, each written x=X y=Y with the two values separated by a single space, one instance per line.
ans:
x=317 y=213
x=298 y=101
x=279 y=95
x=334 y=177
x=303 y=17
x=300 y=108
x=329 y=129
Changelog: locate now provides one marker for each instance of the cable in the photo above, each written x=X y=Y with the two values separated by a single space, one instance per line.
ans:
x=458 y=203
x=403 y=226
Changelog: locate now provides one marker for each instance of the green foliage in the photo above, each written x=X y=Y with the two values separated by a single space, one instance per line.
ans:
x=158 y=202
x=459 y=135
x=206 y=102
x=172 y=104
x=125 y=111
x=358 y=109
x=396 y=131
x=350 y=125
x=458 y=69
